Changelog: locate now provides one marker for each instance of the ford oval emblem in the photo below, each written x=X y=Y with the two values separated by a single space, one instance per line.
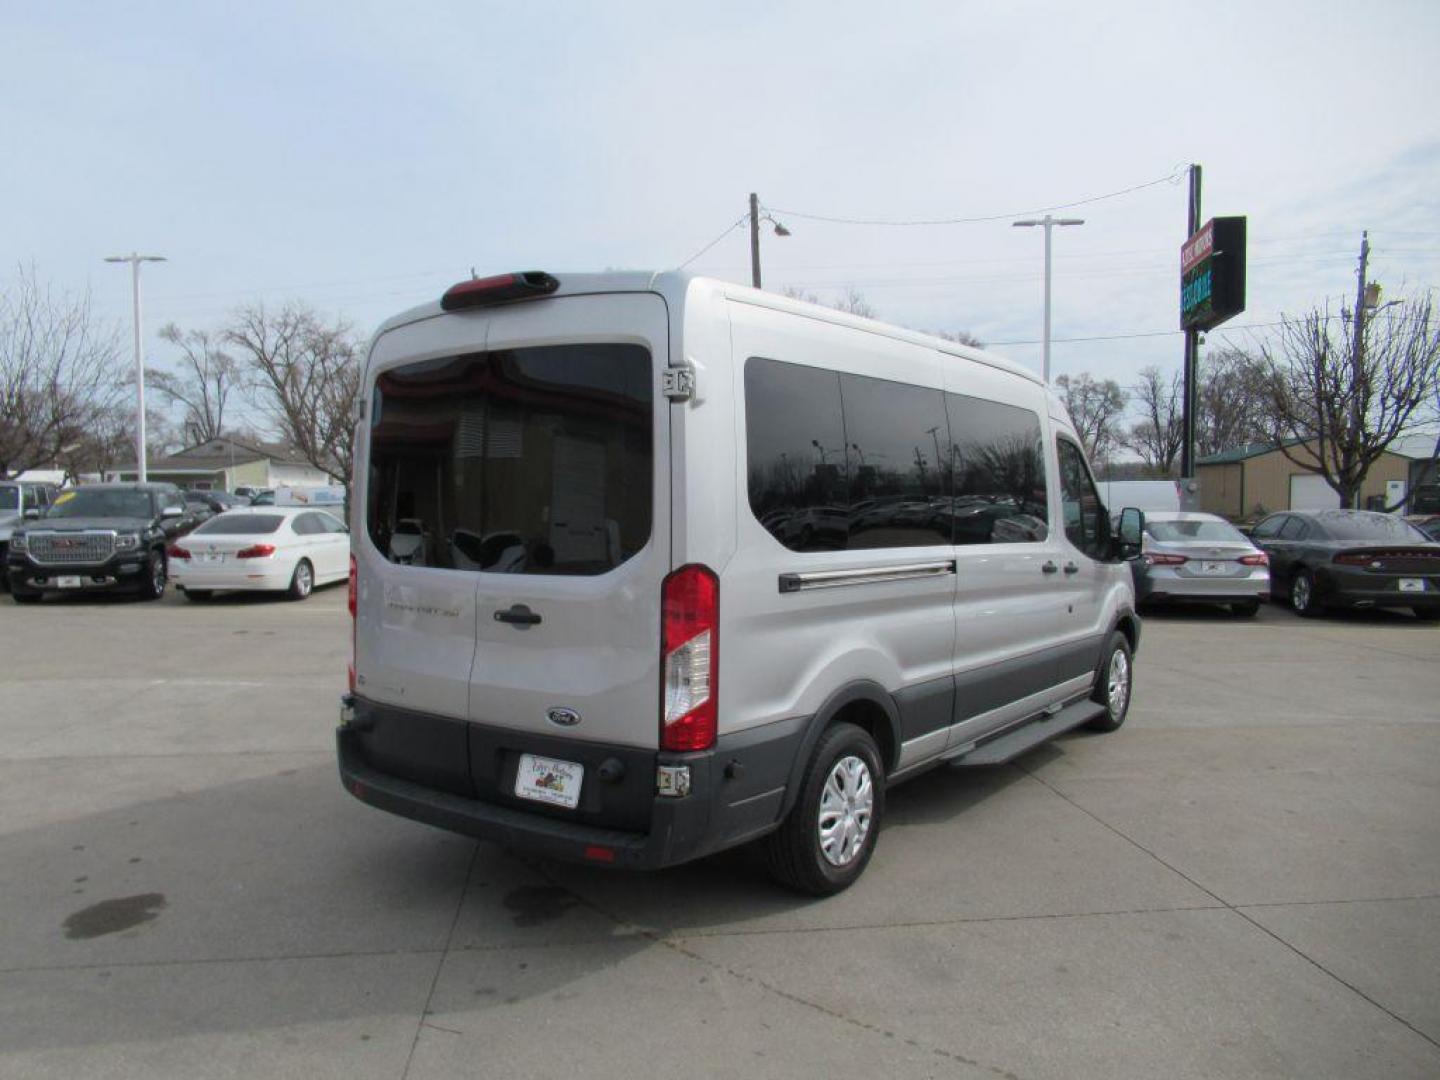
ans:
x=563 y=717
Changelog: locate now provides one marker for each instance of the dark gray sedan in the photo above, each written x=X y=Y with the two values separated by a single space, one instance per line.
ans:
x=1199 y=558
x=1351 y=558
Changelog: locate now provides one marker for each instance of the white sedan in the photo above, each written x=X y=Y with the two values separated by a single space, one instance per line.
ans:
x=288 y=548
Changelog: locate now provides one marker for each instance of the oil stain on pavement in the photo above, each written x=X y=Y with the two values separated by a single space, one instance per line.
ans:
x=112 y=916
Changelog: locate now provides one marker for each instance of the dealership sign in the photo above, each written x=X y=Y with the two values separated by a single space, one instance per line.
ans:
x=1212 y=274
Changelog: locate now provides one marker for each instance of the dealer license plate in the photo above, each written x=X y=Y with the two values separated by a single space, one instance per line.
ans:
x=1208 y=567
x=549 y=781
x=67 y=581
x=1412 y=584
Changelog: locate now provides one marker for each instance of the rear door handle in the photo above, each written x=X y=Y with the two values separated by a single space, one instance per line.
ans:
x=1049 y=568
x=518 y=615
x=1071 y=568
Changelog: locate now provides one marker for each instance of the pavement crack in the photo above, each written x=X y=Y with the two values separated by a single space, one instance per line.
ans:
x=421 y=1024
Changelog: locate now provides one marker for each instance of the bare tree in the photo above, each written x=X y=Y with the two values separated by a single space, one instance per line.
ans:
x=1095 y=407
x=1159 y=433
x=853 y=302
x=207 y=379
x=305 y=378
x=960 y=337
x=1232 y=401
x=59 y=369
x=1336 y=399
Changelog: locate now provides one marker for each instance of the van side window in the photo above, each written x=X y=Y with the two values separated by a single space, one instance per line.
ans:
x=1000 y=488
x=1084 y=513
x=798 y=466
x=899 y=445
x=519 y=461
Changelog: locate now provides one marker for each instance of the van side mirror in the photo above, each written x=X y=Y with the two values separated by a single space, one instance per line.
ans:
x=1132 y=529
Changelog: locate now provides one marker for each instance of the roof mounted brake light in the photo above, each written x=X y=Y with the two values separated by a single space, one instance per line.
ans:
x=480 y=292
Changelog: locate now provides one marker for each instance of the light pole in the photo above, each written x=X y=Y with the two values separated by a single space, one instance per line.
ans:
x=1047 y=222
x=755 y=218
x=135 y=259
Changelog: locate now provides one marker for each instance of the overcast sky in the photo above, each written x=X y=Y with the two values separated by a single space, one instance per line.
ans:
x=362 y=157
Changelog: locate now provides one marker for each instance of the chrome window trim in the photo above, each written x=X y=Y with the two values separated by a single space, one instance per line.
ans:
x=869 y=575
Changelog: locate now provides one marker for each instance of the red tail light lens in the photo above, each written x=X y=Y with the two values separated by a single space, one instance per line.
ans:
x=175 y=551
x=1155 y=559
x=351 y=603
x=689 y=658
x=496 y=290
x=256 y=551
x=1258 y=559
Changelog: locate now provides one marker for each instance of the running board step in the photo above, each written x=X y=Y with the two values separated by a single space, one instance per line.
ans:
x=1028 y=736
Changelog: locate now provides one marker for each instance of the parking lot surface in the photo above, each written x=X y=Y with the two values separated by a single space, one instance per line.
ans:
x=1244 y=881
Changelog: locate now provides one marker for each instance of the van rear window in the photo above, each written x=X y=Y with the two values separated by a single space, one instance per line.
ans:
x=518 y=461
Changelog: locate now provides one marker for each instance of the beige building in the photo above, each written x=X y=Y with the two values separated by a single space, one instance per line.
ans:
x=1259 y=479
x=225 y=464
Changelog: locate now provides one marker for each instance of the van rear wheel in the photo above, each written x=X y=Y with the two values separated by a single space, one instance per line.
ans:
x=829 y=835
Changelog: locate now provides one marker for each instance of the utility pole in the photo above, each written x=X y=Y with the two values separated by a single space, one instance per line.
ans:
x=1192 y=351
x=1357 y=355
x=135 y=259
x=754 y=240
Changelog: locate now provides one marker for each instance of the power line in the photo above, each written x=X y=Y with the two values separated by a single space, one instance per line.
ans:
x=1170 y=177
x=728 y=230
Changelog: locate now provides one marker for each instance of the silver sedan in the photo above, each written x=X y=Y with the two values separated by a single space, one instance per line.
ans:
x=1199 y=558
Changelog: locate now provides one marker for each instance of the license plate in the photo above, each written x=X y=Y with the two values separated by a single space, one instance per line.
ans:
x=68 y=581
x=1412 y=584
x=1214 y=567
x=549 y=781
x=212 y=557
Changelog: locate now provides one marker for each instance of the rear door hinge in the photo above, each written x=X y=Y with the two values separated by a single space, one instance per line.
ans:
x=679 y=383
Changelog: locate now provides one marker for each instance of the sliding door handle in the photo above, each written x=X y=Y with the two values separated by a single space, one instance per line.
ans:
x=1049 y=568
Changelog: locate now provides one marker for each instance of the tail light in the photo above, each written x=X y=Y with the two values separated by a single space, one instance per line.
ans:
x=256 y=551
x=175 y=551
x=690 y=658
x=351 y=605
x=1259 y=558
x=1153 y=558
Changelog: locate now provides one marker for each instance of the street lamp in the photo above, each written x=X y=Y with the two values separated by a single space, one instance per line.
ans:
x=1047 y=222
x=135 y=259
x=755 y=218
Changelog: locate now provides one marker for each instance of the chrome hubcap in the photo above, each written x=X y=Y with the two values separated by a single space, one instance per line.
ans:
x=1300 y=593
x=1118 y=684
x=846 y=805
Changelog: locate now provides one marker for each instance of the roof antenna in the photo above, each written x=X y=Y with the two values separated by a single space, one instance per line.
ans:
x=474 y=276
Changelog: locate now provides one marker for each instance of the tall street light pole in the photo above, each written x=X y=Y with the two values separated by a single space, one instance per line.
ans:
x=1048 y=223
x=135 y=259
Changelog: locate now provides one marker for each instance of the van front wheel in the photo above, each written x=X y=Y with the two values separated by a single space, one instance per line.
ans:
x=829 y=835
x=1113 y=684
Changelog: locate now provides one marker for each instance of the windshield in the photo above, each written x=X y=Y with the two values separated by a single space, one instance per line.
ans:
x=1179 y=532
x=101 y=502
x=240 y=524
x=9 y=498
x=1381 y=528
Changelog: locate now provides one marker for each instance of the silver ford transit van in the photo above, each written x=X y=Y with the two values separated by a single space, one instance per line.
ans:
x=648 y=566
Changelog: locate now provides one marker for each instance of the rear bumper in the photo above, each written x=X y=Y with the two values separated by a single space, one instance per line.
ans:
x=1358 y=589
x=1164 y=584
x=260 y=574
x=736 y=793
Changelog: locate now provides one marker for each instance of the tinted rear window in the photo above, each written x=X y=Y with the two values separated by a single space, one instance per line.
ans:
x=1365 y=528
x=523 y=461
x=9 y=498
x=241 y=524
x=1179 y=532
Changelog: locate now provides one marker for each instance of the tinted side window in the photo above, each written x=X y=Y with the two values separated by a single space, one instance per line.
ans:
x=798 y=466
x=899 y=446
x=521 y=461
x=305 y=525
x=1268 y=528
x=1084 y=513
x=1294 y=529
x=999 y=494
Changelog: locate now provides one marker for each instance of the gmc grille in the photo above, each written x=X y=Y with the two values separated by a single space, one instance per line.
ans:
x=66 y=549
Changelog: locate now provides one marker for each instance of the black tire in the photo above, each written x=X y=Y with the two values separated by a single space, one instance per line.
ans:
x=1302 y=594
x=1426 y=614
x=794 y=852
x=1246 y=608
x=1114 y=684
x=152 y=583
x=302 y=582
x=197 y=594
